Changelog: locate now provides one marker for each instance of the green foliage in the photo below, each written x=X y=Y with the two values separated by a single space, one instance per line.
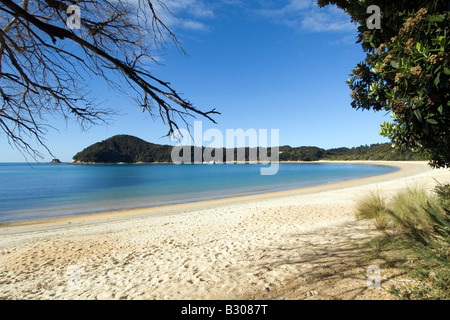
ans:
x=373 y=152
x=406 y=72
x=422 y=231
x=301 y=153
x=126 y=149
x=129 y=149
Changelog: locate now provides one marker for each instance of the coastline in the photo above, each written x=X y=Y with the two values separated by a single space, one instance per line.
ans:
x=404 y=168
x=294 y=244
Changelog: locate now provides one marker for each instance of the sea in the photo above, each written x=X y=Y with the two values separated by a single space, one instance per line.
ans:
x=33 y=191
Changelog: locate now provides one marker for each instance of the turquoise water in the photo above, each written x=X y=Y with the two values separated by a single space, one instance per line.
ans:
x=47 y=190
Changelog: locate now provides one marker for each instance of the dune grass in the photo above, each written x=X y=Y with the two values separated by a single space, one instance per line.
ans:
x=420 y=232
x=373 y=206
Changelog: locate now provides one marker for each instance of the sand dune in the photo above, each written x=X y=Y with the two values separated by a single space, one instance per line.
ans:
x=297 y=244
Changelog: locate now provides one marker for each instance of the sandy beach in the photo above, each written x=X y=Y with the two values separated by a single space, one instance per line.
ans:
x=296 y=244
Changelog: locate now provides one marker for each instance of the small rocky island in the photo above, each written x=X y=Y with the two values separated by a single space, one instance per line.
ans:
x=55 y=161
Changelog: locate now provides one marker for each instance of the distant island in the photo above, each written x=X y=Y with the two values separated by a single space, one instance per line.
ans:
x=129 y=149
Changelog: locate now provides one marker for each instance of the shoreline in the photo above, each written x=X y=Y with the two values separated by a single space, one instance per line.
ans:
x=296 y=244
x=405 y=168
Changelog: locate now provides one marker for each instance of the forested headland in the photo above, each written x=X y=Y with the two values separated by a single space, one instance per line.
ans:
x=129 y=149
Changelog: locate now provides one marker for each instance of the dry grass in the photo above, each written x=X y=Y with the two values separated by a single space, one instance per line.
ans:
x=373 y=206
x=422 y=229
x=410 y=209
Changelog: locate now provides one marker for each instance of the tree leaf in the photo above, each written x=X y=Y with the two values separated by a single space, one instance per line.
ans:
x=395 y=64
x=437 y=79
x=436 y=18
x=418 y=115
x=442 y=42
x=419 y=47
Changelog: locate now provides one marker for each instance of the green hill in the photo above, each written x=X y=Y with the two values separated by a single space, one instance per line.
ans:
x=129 y=149
x=124 y=148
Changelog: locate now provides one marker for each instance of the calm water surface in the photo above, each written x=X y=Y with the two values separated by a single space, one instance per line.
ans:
x=46 y=190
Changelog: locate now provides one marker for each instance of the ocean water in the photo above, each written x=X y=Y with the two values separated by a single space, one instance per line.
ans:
x=30 y=191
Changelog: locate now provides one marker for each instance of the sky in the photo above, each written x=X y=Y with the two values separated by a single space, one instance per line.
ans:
x=263 y=64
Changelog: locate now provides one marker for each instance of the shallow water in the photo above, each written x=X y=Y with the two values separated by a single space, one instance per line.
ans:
x=47 y=190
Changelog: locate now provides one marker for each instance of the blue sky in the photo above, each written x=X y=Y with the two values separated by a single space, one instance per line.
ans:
x=262 y=64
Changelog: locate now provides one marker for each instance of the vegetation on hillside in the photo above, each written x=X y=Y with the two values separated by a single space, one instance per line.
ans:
x=129 y=149
x=125 y=149
x=373 y=152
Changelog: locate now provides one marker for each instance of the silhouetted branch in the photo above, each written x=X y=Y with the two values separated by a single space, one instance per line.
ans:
x=39 y=75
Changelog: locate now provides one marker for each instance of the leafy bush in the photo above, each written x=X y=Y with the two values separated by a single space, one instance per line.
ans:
x=406 y=72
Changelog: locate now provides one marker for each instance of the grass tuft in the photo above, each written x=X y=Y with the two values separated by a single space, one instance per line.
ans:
x=422 y=230
x=373 y=206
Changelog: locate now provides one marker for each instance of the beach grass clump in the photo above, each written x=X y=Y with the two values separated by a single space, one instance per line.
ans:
x=442 y=190
x=421 y=234
x=432 y=265
x=373 y=206
x=415 y=212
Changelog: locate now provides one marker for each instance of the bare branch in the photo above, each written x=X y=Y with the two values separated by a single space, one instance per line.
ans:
x=39 y=76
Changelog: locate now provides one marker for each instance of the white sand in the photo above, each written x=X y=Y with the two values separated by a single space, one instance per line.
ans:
x=298 y=244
